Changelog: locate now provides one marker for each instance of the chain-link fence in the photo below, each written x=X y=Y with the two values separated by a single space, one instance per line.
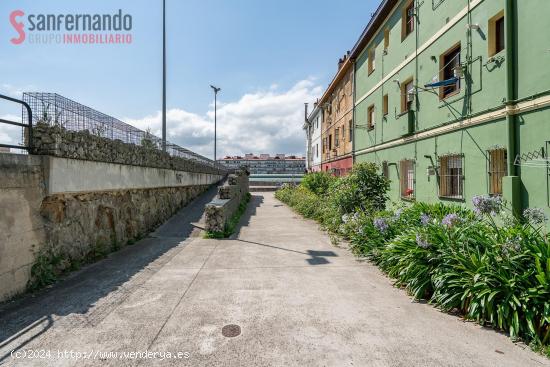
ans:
x=53 y=109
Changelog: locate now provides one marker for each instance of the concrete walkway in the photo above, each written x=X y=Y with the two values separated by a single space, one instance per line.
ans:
x=298 y=300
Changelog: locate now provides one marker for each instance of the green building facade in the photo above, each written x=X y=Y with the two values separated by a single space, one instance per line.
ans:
x=452 y=99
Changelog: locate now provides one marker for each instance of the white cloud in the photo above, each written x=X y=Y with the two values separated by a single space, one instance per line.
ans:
x=10 y=134
x=14 y=91
x=266 y=121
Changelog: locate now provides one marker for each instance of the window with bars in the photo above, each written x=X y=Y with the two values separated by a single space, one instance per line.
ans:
x=350 y=129
x=406 y=178
x=451 y=177
x=336 y=138
x=496 y=170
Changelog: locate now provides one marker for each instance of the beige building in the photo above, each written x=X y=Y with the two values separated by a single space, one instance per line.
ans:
x=337 y=125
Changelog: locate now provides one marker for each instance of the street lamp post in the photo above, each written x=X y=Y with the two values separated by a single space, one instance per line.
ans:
x=216 y=90
x=164 y=75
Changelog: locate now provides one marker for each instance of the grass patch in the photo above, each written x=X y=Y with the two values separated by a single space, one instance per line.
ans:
x=51 y=265
x=231 y=224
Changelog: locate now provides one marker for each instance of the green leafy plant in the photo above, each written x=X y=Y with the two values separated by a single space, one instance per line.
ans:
x=318 y=182
x=364 y=189
x=47 y=268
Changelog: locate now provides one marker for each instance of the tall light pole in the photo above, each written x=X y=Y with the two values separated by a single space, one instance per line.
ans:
x=216 y=90
x=164 y=75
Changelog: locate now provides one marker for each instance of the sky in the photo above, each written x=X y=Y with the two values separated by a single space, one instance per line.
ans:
x=268 y=58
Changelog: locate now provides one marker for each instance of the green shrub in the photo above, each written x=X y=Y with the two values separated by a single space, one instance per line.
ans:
x=302 y=200
x=46 y=269
x=318 y=182
x=364 y=189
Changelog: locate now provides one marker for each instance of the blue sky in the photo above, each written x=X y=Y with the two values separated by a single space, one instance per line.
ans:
x=269 y=57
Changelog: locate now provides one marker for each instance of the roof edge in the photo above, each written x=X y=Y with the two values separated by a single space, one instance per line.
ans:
x=337 y=78
x=377 y=19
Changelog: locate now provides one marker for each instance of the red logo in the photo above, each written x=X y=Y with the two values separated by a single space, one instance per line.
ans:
x=18 y=26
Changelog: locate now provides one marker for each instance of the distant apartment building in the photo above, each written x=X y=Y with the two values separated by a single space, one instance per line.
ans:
x=337 y=121
x=267 y=164
x=312 y=126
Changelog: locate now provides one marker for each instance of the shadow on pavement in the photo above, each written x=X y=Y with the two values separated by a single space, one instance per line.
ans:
x=316 y=257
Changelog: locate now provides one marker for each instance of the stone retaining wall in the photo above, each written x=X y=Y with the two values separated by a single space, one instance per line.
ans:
x=79 y=224
x=59 y=142
x=223 y=207
x=51 y=205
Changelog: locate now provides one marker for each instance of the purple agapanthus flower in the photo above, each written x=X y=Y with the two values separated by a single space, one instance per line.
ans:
x=425 y=219
x=397 y=214
x=380 y=224
x=422 y=242
x=450 y=220
x=512 y=245
x=487 y=205
x=535 y=216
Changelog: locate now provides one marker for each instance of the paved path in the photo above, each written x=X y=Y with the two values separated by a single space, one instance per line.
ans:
x=299 y=301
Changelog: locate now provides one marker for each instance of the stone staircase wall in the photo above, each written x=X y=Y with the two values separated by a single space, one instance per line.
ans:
x=220 y=210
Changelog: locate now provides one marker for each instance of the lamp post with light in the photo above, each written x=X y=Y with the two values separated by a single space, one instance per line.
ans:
x=216 y=90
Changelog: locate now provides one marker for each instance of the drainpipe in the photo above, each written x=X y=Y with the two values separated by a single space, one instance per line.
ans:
x=512 y=182
x=308 y=137
x=353 y=130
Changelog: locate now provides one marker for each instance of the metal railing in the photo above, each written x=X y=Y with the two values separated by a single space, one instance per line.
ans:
x=54 y=109
x=27 y=128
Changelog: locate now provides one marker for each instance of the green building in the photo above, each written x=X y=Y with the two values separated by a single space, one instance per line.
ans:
x=452 y=99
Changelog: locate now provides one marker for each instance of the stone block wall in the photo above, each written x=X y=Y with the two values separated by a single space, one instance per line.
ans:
x=78 y=224
x=59 y=142
x=223 y=207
